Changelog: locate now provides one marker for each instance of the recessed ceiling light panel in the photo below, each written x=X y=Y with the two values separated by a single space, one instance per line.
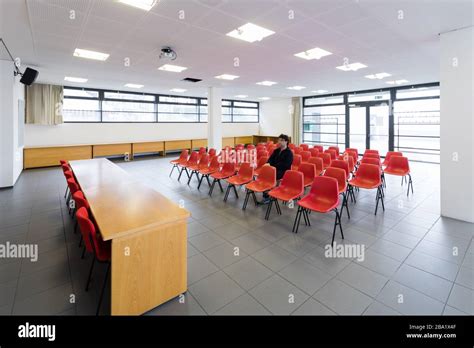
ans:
x=314 y=53
x=75 y=79
x=226 y=77
x=250 y=33
x=397 y=82
x=296 y=88
x=266 y=83
x=352 y=67
x=81 y=53
x=241 y=96
x=320 y=91
x=378 y=76
x=178 y=90
x=146 y=5
x=133 y=85
x=264 y=98
x=172 y=68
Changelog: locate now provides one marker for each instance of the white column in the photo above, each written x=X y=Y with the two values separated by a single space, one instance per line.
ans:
x=214 y=121
x=457 y=126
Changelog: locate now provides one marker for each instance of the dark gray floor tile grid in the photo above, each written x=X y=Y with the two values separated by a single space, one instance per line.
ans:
x=415 y=261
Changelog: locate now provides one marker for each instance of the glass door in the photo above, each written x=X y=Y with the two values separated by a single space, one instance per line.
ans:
x=369 y=127
x=378 y=132
x=358 y=128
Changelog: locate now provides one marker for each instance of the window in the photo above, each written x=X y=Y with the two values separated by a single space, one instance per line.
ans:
x=91 y=105
x=356 y=97
x=324 y=100
x=324 y=125
x=418 y=92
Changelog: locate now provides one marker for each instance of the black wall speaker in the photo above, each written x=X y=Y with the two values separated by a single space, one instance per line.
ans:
x=29 y=76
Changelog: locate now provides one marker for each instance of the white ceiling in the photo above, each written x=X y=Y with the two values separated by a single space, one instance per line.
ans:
x=43 y=35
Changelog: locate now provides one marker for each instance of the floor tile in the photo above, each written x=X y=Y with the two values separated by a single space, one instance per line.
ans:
x=184 y=304
x=313 y=307
x=248 y=272
x=363 y=279
x=434 y=265
x=377 y=308
x=462 y=299
x=243 y=305
x=305 y=276
x=199 y=267
x=390 y=249
x=225 y=254
x=250 y=243
x=274 y=257
x=206 y=241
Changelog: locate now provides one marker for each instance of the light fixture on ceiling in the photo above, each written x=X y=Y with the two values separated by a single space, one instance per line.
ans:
x=314 y=53
x=75 y=79
x=319 y=91
x=226 y=77
x=146 y=5
x=178 y=90
x=172 y=68
x=378 y=76
x=133 y=85
x=250 y=32
x=242 y=96
x=351 y=67
x=264 y=98
x=397 y=82
x=82 y=53
x=296 y=88
x=266 y=83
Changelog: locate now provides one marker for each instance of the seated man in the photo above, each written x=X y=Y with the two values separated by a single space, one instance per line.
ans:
x=281 y=159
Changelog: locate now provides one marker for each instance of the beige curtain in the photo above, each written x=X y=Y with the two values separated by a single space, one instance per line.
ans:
x=44 y=104
x=296 y=119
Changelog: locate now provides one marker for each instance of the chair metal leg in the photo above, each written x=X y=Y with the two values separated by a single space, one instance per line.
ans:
x=247 y=196
x=344 y=203
x=235 y=191
x=66 y=192
x=254 y=198
x=340 y=223
x=277 y=206
x=306 y=213
x=181 y=173
x=379 y=197
x=227 y=192
x=410 y=183
x=200 y=181
x=296 y=224
x=103 y=289
x=190 y=177
x=211 y=188
x=80 y=241
x=90 y=274
x=267 y=215
x=220 y=186
x=172 y=169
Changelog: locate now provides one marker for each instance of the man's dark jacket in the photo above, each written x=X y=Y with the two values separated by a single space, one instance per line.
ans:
x=281 y=160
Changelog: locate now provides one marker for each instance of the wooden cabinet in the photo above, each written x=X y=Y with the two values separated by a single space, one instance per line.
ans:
x=49 y=156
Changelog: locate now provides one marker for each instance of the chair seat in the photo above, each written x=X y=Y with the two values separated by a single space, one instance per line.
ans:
x=308 y=182
x=236 y=180
x=177 y=161
x=366 y=184
x=319 y=205
x=220 y=175
x=399 y=172
x=284 y=194
x=194 y=167
x=294 y=167
x=258 y=186
x=207 y=171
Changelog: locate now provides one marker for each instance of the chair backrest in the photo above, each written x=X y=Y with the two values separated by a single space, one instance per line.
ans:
x=339 y=174
x=318 y=162
x=305 y=155
x=291 y=146
x=268 y=175
x=351 y=162
x=371 y=155
x=335 y=148
x=184 y=155
x=294 y=181
x=81 y=201
x=61 y=162
x=296 y=160
x=369 y=172
x=314 y=152
x=68 y=174
x=212 y=152
x=369 y=160
x=261 y=162
x=400 y=163
x=262 y=153
x=391 y=154
x=305 y=147
x=215 y=165
x=204 y=161
x=326 y=157
x=319 y=147
x=245 y=171
x=228 y=168
x=371 y=151
x=353 y=153
x=65 y=167
x=73 y=186
x=202 y=150
x=298 y=150
x=325 y=188
x=308 y=170
x=194 y=158
x=250 y=146
x=86 y=227
x=342 y=165
x=331 y=153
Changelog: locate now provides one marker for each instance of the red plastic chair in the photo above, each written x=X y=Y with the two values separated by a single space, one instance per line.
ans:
x=212 y=153
x=309 y=173
x=296 y=162
x=371 y=151
x=192 y=161
x=100 y=249
x=318 y=162
x=389 y=155
x=250 y=147
x=179 y=161
x=298 y=150
x=206 y=171
x=202 y=150
x=351 y=162
x=322 y=198
x=368 y=176
x=227 y=171
x=266 y=180
x=79 y=202
x=370 y=160
x=291 y=188
x=340 y=175
x=371 y=155
x=195 y=168
x=314 y=152
x=305 y=147
x=243 y=177
x=260 y=164
x=335 y=148
x=326 y=159
x=291 y=146
x=332 y=153
x=353 y=153
x=73 y=188
x=319 y=147
x=399 y=166
x=262 y=153
x=305 y=155
x=342 y=165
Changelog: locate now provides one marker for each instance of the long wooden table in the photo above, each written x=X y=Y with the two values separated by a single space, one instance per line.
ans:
x=147 y=231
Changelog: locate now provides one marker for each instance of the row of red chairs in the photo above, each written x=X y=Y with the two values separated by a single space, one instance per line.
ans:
x=93 y=243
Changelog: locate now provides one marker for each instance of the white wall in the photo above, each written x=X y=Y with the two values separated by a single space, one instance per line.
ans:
x=457 y=126
x=11 y=151
x=97 y=133
x=275 y=117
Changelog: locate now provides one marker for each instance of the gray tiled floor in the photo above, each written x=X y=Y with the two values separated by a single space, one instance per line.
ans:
x=415 y=262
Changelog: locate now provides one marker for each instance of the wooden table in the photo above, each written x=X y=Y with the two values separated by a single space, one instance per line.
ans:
x=148 y=234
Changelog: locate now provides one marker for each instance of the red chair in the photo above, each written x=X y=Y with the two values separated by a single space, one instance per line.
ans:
x=79 y=202
x=296 y=162
x=180 y=161
x=351 y=162
x=314 y=152
x=332 y=153
x=250 y=147
x=340 y=175
x=192 y=161
x=262 y=153
x=354 y=153
x=243 y=177
x=399 y=166
x=320 y=148
x=305 y=147
x=322 y=198
x=342 y=165
x=291 y=188
x=298 y=150
x=202 y=150
x=326 y=159
x=309 y=173
x=368 y=176
x=73 y=188
x=207 y=171
x=371 y=155
x=100 y=249
x=389 y=155
x=66 y=168
x=260 y=164
x=291 y=146
x=370 y=160
x=195 y=168
x=212 y=153
x=227 y=171
x=266 y=180
x=305 y=155
x=335 y=148
x=318 y=162
x=371 y=151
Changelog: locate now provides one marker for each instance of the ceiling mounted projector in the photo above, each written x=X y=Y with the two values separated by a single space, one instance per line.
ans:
x=168 y=53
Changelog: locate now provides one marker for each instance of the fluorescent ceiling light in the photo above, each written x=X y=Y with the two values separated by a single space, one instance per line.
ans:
x=75 y=79
x=266 y=83
x=397 y=82
x=133 y=85
x=146 y=5
x=352 y=67
x=264 y=98
x=319 y=91
x=314 y=53
x=250 y=33
x=378 y=76
x=296 y=88
x=172 y=68
x=227 y=77
x=178 y=90
x=241 y=96
x=81 y=53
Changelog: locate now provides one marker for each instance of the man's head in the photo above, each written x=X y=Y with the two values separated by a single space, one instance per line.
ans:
x=283 y=140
